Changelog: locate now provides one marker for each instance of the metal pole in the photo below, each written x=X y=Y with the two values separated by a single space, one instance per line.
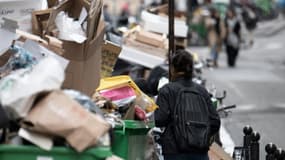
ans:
x=171 y=50
x=270 y=150
x=254 y=146
x=280 y=154
x=247 y=130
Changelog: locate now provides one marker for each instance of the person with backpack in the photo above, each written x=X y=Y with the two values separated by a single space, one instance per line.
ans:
x=186 y=113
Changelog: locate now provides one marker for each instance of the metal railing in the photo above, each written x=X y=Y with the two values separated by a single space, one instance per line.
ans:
x=251 y=148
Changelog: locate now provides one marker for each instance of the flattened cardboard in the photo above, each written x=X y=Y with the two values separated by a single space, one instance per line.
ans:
x=81 y=128
x=110 y=54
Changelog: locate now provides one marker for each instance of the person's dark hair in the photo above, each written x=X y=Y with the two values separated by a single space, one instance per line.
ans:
x=182 y=62
x=231 y=9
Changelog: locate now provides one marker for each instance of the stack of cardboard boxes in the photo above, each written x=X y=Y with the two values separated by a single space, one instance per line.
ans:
x=147 y=44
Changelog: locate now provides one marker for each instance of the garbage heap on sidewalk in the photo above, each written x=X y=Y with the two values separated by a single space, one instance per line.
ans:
x=50 y=95
x=148 y=39
x=57 y=98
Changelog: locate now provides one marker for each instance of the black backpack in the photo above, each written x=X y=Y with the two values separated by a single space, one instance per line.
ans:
x=191 y=120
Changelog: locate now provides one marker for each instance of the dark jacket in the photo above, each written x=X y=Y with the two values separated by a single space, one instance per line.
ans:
x=163 y=116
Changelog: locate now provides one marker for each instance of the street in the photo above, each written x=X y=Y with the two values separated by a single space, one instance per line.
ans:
x=256 y=86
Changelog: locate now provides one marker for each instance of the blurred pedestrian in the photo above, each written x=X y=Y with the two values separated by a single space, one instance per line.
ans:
x=106 y=14
x=233 y=37
x=185 y=105
x=250 y=20
x=124 y=15
x=140 y=8
x=154 y=3
x=215 y=28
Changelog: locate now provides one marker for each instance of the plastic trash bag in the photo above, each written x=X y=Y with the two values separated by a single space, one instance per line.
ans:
x=20 y=58
x=84 y=100
x=4 y=119
x=18 y=90
x=69 y=29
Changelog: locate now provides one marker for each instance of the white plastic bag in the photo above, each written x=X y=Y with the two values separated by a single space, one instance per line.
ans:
x=19 y=89
x=69 y=29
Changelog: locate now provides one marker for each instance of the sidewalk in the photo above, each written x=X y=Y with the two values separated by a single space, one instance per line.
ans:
x=270 y=28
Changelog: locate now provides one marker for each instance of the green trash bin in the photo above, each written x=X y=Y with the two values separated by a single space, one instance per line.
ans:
x=14 y=152
x=129 y=141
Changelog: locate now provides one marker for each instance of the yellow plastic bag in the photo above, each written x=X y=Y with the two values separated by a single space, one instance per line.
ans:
x=120 y=81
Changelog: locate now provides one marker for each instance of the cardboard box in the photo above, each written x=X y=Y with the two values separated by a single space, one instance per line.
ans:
x=150 y=38
x=83 y=71
x=40 y=20
x=82 y=74
x=159 y=24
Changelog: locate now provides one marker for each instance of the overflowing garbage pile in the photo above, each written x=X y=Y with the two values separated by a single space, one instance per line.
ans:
x=31 y=96
x=49 y=81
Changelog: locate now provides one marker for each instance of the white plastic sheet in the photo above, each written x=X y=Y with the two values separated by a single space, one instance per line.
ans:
x=18 y=90
x=69 y=29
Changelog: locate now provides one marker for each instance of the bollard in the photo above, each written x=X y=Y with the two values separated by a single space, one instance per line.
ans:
x=270 y=150
x=247 y=130
x=254 y=146
x=280 y=154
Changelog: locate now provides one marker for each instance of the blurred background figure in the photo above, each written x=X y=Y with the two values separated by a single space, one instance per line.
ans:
x=215 y=28
x=155 y=3
x=140 y=8
x=232 y=40
x=123 y=19
x=281 y=7
x=106 y=14
x=250 y=20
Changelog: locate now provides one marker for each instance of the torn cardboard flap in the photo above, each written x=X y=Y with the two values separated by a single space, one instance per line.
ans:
x=84 y=75
x=27 y=35
x=81 y=128
x=40 y=21
x=95 y=11
x=110 y=54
